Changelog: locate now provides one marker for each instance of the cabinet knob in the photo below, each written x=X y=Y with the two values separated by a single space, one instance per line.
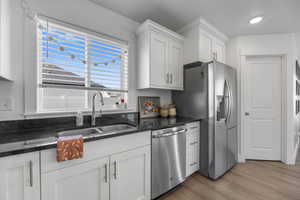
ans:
x=247 y=114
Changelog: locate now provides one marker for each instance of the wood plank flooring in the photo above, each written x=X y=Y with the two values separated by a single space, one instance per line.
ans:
x=253 y=180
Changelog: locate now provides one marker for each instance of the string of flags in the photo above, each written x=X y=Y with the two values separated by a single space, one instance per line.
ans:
x=73 y=56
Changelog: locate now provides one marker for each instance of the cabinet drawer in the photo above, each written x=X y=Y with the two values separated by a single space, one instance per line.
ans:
x=193 y=136
x=192 y=164
x=193 y=167
x=96 y=149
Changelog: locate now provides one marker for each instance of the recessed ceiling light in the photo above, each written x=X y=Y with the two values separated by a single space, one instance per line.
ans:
x=256 y=20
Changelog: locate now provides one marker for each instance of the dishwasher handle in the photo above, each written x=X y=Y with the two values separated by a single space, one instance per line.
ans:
x=171 y=133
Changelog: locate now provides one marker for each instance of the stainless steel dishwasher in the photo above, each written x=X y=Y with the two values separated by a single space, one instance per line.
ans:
x=168 y=159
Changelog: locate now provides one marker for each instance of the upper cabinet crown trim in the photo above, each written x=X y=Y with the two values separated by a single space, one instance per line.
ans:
x=202 y=23
x=151 y=24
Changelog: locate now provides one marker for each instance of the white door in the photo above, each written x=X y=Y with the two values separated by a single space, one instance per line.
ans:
x=205 y=46
x=86 y=181
x=175 y=67
x=130 y=175
x=262 y=107
x=158 y=60
x=20 y=177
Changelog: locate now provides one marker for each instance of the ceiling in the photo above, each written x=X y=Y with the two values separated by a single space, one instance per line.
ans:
x=229 y=16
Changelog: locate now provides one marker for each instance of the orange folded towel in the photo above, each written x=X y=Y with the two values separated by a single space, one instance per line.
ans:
x=69 y=148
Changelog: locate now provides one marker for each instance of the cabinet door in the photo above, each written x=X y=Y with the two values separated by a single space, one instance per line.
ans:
x=175 y=64
x=130 y=175
x=219 y=50
x=205 y=46
x=89 y=180
x=20 y=177
x=158 y=60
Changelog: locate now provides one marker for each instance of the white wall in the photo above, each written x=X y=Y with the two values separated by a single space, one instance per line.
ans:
x=23 y=48
x=277 y=44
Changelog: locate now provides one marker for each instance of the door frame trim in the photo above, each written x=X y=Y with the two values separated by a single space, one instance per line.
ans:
x=242 y=156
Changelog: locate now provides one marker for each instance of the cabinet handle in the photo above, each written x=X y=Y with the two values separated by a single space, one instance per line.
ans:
x=106 y=173
x=192 y=164
x=167 y=79
x=30 y=173
x=215 y=56
x=115 y=169
x=193 y=143
x=171 y=78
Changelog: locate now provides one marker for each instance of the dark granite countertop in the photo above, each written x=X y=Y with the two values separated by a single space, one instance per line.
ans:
x=23 y=136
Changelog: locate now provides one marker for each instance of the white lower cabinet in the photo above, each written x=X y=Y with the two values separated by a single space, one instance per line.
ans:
x=88 y=181
x=130 y=177
x=20 y=177
x=192 y=148
x=111 y=169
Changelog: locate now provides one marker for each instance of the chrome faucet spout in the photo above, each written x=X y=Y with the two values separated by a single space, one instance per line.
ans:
x=93 y=120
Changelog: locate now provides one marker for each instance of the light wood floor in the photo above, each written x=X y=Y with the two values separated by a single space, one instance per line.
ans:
x=253 y=180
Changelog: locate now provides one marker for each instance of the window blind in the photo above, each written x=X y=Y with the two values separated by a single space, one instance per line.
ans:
x=69 y=58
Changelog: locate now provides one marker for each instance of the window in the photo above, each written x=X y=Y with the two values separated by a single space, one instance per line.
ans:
x=74 y=64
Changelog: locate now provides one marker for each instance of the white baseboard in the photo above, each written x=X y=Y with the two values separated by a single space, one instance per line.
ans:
x=241 y=158
x=293 y=161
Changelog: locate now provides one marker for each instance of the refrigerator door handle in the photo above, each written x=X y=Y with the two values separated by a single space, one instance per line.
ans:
x=230 y=98
x=229 y=101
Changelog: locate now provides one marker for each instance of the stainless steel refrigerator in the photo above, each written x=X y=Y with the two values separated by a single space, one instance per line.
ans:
x=210 y=94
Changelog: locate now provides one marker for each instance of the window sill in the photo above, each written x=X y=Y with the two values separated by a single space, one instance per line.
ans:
x=73 y=113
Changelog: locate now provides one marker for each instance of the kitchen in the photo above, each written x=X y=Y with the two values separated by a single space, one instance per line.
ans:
x=99 y=73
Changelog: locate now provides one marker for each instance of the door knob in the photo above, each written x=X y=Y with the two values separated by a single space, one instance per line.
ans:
x=247 y=114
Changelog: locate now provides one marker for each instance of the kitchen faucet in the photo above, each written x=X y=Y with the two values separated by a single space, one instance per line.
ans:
x=93 y=120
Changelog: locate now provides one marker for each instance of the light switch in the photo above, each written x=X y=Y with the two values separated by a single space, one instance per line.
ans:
x=5 y=104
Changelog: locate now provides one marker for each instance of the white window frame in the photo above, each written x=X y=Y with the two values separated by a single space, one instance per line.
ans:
x=39 y=102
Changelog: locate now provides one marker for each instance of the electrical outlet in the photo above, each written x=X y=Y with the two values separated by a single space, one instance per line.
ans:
x=5 y=104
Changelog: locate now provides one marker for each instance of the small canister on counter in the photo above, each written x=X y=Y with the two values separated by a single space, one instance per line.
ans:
x=172 y=110
x=164 y=111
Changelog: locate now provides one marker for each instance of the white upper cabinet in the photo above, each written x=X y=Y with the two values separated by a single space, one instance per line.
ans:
x=159 y=53
x=205 y=47
x=203 y=42
x=175 y=67
x=20 y=177
x=219 y=50
x=6 y=34
x=160 y=57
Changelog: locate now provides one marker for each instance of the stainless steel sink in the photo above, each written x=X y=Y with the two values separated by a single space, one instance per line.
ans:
x=84 y=132
x=99 y=131
x=117 y=128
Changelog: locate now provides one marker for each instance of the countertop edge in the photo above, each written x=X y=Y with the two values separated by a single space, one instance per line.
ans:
x=53 y=145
